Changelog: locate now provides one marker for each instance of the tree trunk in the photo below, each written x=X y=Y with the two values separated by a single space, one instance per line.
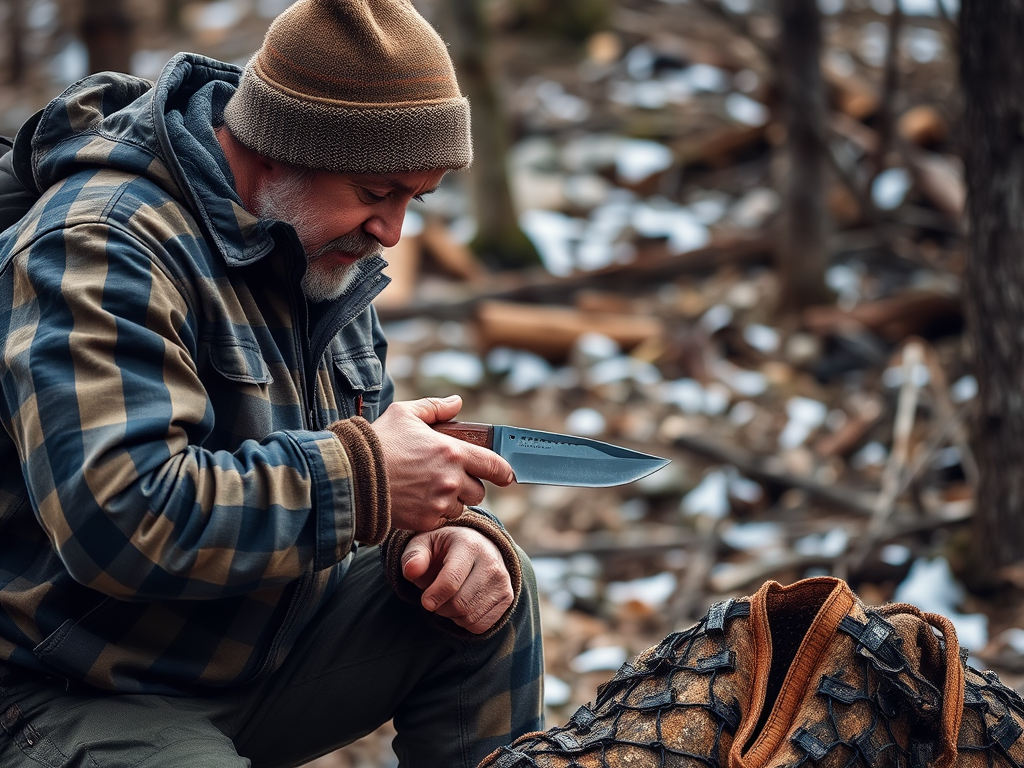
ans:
x=16 y=64
x=499 y=241
x=802 y=257
x=172 y=13
x=992 y=70
x=106 y=29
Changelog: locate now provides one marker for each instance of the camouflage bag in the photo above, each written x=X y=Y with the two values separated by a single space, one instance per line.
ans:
x=802 y=675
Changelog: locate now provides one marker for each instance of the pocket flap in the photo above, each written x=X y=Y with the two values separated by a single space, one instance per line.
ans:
x=239 y=360
x=363 y=372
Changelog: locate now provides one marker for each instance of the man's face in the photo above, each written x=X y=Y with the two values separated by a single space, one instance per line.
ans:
x=341 y=218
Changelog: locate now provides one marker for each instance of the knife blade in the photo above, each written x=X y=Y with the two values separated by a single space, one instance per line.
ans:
x=550 y=458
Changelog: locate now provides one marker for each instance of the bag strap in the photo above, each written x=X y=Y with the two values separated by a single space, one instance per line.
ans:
x=952 y=691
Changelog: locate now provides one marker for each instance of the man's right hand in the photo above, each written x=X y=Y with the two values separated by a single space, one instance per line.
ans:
x=432 y=476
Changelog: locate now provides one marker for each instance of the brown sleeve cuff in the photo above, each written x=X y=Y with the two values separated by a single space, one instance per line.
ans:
x=394 y=546
x=369 y=480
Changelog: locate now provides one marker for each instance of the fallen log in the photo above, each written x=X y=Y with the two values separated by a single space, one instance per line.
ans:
x=914 y=313
x=542 y=287
x=447 y=253
x=551 y=332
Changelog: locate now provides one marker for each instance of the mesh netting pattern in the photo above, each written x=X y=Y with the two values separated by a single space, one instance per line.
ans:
x=874 y=699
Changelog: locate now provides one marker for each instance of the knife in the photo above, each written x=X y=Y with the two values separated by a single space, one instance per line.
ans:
x=550 y=458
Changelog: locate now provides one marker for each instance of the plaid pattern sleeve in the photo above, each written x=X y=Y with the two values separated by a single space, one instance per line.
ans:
x=173 y=508
x=177 y=516
x=108 y=412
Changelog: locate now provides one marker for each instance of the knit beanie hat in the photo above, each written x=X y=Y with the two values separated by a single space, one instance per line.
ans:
x=360 y=86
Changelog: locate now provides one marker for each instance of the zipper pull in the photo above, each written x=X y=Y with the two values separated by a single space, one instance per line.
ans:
x=359 y=405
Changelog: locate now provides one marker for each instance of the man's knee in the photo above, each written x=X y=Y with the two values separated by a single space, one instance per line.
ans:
x=53 y=727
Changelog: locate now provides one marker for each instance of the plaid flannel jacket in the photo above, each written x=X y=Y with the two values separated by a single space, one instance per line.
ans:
x=172 y=510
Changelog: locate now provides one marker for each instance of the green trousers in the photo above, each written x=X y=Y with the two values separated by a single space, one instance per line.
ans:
x=367 y=658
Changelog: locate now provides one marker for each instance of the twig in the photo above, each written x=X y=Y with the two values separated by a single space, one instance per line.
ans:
x=693 y=580
x=906 y=409
x=614 y=549
x=743 y=575
x=938 y=437
x=952 y=415
x=756 y=468
x=541 y=286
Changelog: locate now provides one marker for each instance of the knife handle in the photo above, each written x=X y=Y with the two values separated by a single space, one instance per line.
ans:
x=468 y=432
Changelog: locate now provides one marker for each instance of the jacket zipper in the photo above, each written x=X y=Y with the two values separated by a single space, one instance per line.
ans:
x=304 y=585
x=304 y=588
x=334 y=323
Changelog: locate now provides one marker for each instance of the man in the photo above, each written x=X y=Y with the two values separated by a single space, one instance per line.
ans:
x=199 y=443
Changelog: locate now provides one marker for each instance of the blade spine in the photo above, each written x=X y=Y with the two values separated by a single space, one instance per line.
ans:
x=576 y=440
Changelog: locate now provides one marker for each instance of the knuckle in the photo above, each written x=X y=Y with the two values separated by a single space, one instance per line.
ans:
x=449 y=485
x=443 y=597
x=439 y=506
x=496 y=574
x=457 y=574
x=450 y=453
x=464 y=607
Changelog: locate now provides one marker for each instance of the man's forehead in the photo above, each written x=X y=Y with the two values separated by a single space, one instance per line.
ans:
x=416 y=182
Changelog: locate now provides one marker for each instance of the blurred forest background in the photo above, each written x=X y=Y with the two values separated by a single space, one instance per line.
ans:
x=773 y=240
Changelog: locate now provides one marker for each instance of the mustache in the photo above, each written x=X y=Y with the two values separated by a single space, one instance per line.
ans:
x=359 y=244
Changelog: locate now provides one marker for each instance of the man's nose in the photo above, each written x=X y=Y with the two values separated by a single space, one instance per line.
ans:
x=387 y=228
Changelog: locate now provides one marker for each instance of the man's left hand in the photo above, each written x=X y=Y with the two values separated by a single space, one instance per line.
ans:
x=462 y=574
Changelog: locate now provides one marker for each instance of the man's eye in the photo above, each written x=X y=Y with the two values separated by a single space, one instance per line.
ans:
x=374 y=197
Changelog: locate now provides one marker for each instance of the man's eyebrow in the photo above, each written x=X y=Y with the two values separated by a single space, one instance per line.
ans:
x=398 y=186
x=394 y=185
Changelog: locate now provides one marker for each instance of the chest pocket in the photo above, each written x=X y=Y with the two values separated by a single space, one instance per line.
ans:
x=241 y=391
x=360 y=378
x=239 y=360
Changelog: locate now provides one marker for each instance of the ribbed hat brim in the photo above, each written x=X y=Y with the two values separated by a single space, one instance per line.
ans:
x=344 y=137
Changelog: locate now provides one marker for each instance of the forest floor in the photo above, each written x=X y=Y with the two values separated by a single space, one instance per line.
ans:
x=646 y=167
x=831 y=443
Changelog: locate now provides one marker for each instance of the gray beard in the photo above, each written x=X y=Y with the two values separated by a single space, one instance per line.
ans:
x=323 y=282
x=288 y=199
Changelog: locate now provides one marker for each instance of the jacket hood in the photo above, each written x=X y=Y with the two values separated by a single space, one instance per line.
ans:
x=162 y=131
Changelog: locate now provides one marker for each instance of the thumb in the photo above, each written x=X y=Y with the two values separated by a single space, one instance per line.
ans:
x=416 y=560
x=435 y=409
